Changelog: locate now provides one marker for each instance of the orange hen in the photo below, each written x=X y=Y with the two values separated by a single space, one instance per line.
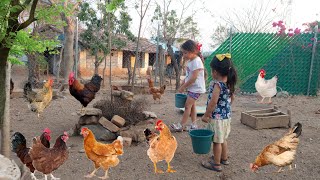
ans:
x=102 y=155
x=282 y=152
x=156 y=92
x=162 y=147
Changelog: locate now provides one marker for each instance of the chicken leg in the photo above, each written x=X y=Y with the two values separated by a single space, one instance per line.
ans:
x=169 y=170
x=105 y=175
x=155 y=168
x=261 y=102
x=54 y=178
x=92 y=174
x=280 y=170
x=33 y=177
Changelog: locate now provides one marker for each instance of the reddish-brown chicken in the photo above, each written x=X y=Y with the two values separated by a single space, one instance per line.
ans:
x=84 y=93
x=19 y=146
x=47 y=160
x=162 y=147
x=282 y=152
x=156 y=92
x=102 y=155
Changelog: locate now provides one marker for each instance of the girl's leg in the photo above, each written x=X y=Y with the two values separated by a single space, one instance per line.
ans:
x=224 y=154
x=217 y=150
x=193 y=113
x=189 y=103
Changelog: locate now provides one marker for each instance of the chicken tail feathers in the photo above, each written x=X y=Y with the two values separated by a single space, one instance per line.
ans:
x=297 y=128
x=17 y=140
x=27 y=88
x=147 y=133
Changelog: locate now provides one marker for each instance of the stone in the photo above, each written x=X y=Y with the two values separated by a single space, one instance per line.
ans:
x=127 y=141
x=9 y=170
x=108 y=125
x=136 y=132
x=149 y=114
x=118 y=121
x=81 y=151
x=101 y=133
x=92 y=112
x=283 y=94
x=127 y=95
x=87 y=119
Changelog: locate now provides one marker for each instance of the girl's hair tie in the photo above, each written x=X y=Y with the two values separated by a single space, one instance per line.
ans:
x=199 y=46
x=222 y=56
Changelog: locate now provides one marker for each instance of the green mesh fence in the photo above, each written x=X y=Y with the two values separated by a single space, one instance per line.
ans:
x=287 y=57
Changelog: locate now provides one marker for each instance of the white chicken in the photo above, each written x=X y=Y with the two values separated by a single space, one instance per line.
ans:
x=266 y=88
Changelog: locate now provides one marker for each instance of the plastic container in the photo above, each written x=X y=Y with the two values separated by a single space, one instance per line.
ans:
x=201 y=140
x=180 y=100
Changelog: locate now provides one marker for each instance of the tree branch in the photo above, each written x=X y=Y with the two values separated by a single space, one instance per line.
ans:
x=26 y=3
x=146 y=9
x=75 y=6
x=31 y=16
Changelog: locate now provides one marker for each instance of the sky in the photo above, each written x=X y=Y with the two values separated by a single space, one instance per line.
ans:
x=210 y=13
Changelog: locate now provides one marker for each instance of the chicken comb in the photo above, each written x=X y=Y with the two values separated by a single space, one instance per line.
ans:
x=71 y=75
x=84 y=129
x=47 y=130
x=65 y=133
x=158 y=122
x=262 y=70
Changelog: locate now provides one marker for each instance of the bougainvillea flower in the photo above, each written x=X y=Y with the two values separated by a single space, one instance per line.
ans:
x=297 y=31
x=280 y=22
x=309 y=45
x=312 y=39
x=290 y=34
x=290 y=29
x=274 y=24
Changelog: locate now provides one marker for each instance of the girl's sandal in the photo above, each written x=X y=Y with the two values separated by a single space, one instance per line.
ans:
x=224 y=162
x=211 y=166
x=176 y=127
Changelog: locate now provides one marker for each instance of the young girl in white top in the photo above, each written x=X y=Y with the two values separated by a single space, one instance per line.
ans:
x=194 y=83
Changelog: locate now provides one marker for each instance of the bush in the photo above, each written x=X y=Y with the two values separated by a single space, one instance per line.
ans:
x=131 y=111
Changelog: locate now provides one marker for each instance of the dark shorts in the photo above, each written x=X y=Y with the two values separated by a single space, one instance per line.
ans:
x=194 y=95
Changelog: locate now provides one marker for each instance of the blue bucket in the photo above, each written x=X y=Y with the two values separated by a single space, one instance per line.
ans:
x=201 y=140
x=180 y=100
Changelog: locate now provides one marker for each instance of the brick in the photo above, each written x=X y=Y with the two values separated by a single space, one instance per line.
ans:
x=118 y=121
x=127 y=141
x=108 y=125
x=128 y=133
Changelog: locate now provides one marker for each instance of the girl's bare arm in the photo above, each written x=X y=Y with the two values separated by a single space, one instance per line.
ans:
x=193 y=79
x=213 y=102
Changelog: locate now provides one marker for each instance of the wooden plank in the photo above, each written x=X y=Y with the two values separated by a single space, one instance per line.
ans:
x=261 y=111
x=267 y=114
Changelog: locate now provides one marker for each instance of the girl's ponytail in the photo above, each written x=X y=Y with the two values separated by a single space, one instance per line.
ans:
x=232 y=79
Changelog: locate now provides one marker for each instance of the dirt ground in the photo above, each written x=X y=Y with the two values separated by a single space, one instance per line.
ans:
x=245 y=143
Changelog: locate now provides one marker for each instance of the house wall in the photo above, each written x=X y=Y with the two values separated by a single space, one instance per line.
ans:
x=86 y=64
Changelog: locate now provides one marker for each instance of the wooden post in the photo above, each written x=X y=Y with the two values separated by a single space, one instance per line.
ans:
x=312 y=57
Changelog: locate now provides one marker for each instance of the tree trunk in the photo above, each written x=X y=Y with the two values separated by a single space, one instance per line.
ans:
x=161 y=65
x=96 y=64
x=175 y=65
x=68 y=46
x=128 y=61
x=32 y=64
x=5 y=70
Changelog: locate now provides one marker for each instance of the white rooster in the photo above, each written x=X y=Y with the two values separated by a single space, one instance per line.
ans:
x=266 y=88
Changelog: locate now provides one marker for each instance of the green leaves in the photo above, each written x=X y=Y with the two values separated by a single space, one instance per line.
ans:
x=113 y=5
x=25 y=43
